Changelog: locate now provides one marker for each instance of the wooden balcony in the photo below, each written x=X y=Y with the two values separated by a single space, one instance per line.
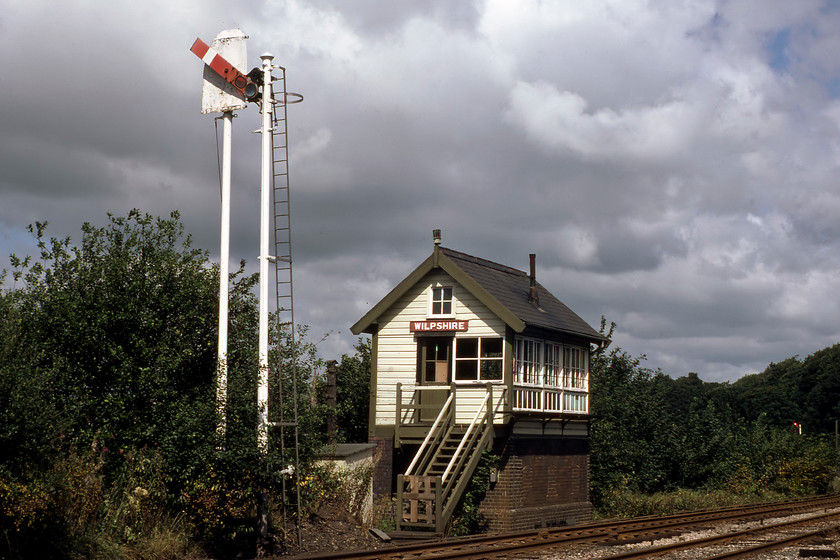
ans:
x=550 y=400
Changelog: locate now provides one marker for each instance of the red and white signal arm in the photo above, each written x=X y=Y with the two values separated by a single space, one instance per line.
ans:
x=224 y=81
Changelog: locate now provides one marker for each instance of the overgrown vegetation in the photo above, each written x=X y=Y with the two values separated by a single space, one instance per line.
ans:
x=107 y=399
x=467 y=519
x=660 y=444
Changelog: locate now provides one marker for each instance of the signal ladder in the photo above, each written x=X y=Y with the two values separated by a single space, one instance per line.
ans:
x=285 y=316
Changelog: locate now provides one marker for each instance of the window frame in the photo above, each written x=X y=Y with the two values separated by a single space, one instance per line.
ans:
x=478 y=359
x=442 y=300
x=545 y=363
x=528 y=375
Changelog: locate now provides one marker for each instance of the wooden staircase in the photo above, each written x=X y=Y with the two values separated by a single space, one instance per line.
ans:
x=441 y=469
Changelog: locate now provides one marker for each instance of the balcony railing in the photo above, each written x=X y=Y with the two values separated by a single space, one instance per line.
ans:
x=413 y=406
x=531 y=398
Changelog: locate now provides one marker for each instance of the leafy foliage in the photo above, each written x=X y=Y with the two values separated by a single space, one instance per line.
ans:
x=652 y=434
x=467 y=518
x=108 y=414
x=353 y=394
x=107 y=393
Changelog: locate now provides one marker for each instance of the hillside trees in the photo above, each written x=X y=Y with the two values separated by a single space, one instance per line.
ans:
x=805 y=391
x=651 y=433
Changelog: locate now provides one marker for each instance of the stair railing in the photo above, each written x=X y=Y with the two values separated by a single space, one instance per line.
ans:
x=432 y=499
x=433 y=439
x=479 y=436
x=469 y=436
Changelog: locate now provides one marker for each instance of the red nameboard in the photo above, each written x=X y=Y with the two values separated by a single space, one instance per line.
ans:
x=437 y=326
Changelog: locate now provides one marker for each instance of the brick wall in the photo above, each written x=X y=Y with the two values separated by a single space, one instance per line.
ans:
x=542 y=482
x=383 y=471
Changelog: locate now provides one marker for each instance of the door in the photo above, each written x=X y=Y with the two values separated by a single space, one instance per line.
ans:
x=434 y=369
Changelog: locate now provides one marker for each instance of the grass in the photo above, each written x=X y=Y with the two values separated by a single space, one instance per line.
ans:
x=624 y=503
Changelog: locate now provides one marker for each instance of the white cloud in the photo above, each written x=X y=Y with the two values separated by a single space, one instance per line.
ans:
x=561 y=120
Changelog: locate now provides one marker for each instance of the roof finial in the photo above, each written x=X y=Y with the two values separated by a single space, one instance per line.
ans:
x=436 y=236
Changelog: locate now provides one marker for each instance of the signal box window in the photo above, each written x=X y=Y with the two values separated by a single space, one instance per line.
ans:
x=441 y=301
x=478 y=359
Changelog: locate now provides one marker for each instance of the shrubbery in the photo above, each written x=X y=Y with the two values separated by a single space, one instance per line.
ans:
x=658 y=442
x=107 y=398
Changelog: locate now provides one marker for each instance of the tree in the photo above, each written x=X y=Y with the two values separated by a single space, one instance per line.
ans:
x=123 y=325
x=631 y=433
x=353 y=393
x=108 y=352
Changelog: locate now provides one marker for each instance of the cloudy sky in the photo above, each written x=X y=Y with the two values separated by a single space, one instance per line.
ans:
x=673 y=164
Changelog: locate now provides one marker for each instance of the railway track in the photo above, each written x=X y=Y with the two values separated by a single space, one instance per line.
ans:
x=633 y=538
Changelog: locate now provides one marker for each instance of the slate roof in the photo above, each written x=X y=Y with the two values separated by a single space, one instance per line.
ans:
x=504 y=290
x=511 y=287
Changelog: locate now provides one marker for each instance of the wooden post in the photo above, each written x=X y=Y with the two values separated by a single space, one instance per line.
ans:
x=490 y=404
x=439 y=505
x=398 y=419
x=332 y=401
x=454 y=409
x=398 y=514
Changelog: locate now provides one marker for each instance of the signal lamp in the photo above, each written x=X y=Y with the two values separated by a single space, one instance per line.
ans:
x=251 y=91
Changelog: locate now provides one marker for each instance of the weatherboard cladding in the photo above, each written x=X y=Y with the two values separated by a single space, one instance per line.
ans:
x=397 y=359
x=511 y=288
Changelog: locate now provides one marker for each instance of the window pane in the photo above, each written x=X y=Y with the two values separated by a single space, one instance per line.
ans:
x=491 y=370
x=467 y=348
x=435 y=356
x=491 y=347
x=466 y=370
x=439 y=350
x=430 y=372
x=442 y=300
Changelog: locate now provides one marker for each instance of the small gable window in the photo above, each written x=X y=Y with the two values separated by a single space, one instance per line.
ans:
x=441 y=301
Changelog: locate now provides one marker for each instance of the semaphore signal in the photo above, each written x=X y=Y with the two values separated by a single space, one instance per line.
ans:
x=247 y=85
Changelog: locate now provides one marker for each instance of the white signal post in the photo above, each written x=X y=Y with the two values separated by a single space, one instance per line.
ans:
x=224 y=267
x=265 y=198
x=223 y=93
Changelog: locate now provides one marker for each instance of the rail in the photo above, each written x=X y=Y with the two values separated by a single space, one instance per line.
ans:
x=604 y=533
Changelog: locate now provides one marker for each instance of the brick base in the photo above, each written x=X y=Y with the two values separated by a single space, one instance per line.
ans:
x=383 y=471
x=542 y=482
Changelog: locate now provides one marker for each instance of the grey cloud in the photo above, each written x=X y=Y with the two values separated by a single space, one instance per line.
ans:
x=666 y=175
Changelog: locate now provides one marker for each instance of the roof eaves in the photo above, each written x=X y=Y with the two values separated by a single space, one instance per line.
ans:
x=364 y=324
x=593 y=338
